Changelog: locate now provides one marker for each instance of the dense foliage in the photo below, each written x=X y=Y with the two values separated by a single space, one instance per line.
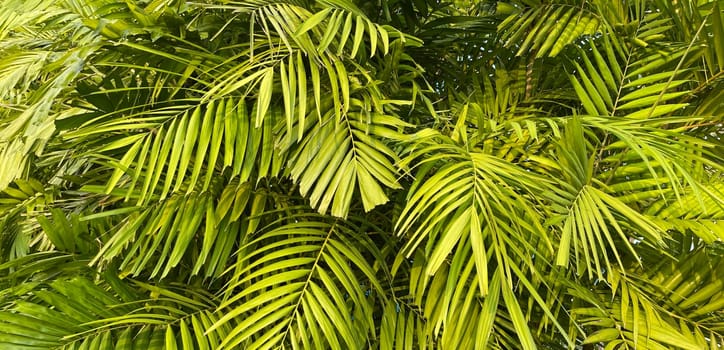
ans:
x=352 y=174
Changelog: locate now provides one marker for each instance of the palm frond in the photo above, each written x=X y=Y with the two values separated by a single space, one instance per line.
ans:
x=546 y=30
x=651 y=310
x=322 y=289
x=341 y=155
x=76 y=313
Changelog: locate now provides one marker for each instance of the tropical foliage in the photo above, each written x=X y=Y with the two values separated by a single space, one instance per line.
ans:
x=349 y=174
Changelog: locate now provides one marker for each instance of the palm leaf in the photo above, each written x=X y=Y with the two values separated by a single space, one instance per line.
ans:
x=546 y=30
x=320 y=283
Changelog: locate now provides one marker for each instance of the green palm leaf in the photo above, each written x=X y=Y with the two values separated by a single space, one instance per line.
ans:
x=320 y=286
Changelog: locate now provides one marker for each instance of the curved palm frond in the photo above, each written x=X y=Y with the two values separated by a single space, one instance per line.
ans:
x=322 y=288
